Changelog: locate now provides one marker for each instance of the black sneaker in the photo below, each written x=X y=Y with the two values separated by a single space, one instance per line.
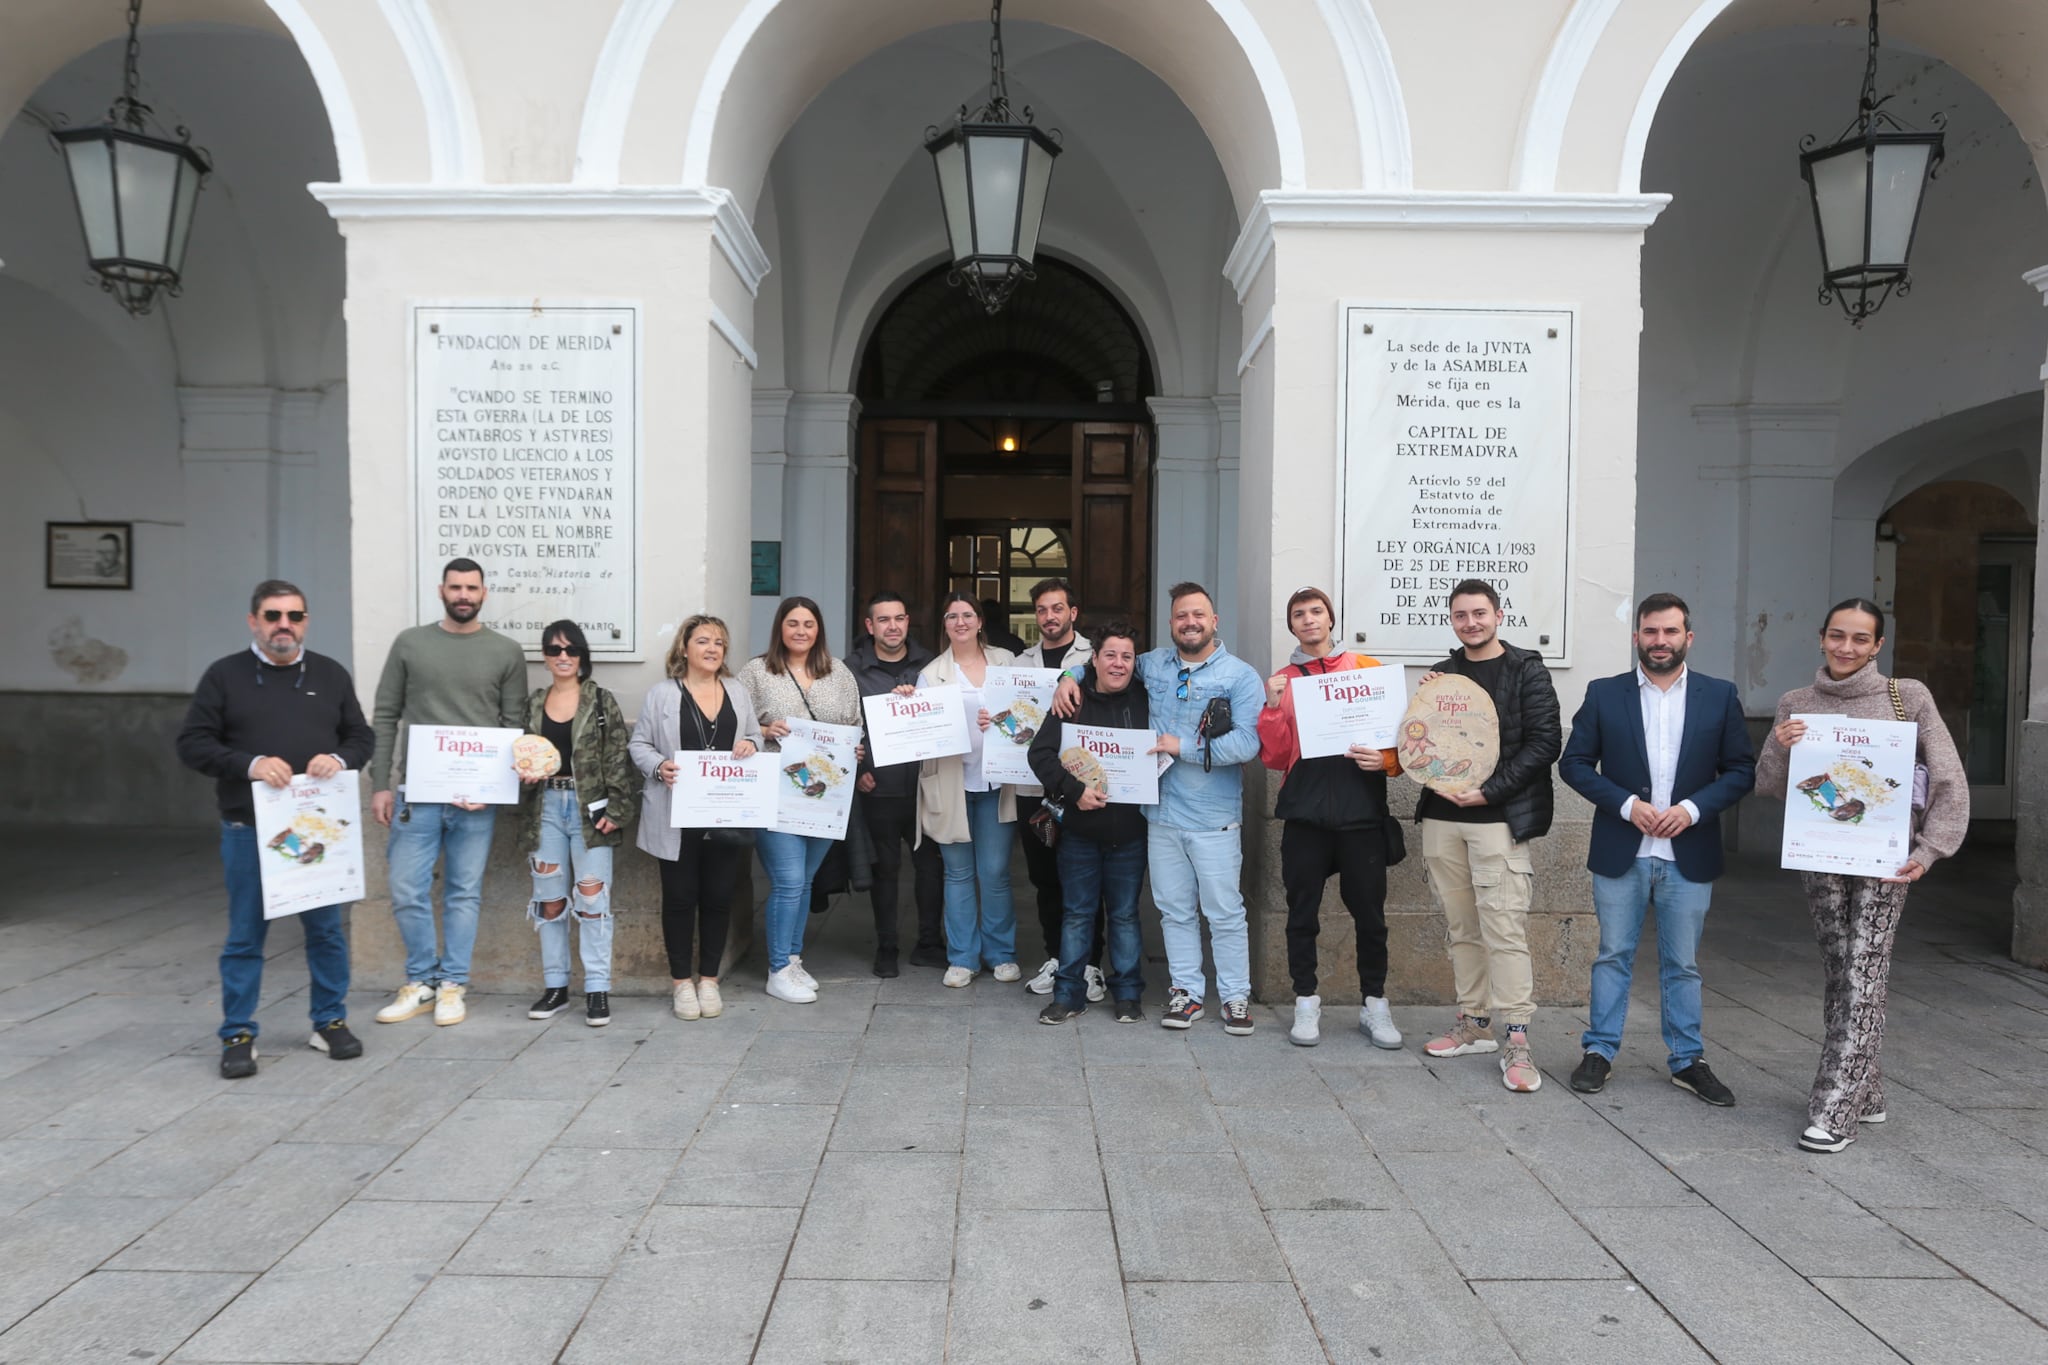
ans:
x=336 y=1041
x=238 y=1056
x=1237 y=1017
x=929 y=955
x=1704 y=1083
x=1127 y=1012
x=1182 y=1010
x=1056 y=1013
x=553 y=1000
x=885 y=963
x=1589 y=1077
x=597 y=1008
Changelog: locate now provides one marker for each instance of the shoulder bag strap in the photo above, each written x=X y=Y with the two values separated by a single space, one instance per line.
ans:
x=1898 y=704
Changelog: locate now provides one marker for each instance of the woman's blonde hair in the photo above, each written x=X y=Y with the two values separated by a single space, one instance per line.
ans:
x=679 y=648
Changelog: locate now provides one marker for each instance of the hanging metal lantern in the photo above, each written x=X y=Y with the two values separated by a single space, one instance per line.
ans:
x=135 y=191
x=1866 y=192
x=994 y=169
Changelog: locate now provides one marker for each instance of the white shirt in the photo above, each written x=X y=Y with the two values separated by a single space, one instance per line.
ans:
x=1663 y=733
x=971 y=701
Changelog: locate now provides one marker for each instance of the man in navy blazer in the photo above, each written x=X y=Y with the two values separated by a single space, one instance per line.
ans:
x=1660 y=751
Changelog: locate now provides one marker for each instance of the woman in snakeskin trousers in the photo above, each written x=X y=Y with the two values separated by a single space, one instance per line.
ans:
x=1856 y=919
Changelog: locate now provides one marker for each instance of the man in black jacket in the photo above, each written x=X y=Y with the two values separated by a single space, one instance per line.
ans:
x=1101 y=847
x=285 y=710
x=884 y=661
x=1476 y=843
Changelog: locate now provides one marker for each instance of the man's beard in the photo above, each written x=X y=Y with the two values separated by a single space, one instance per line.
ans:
x=281 y=646
x=1669 y=665
x=462 y=611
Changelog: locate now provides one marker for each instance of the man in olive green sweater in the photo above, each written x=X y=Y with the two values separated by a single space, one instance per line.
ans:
x=453 y=672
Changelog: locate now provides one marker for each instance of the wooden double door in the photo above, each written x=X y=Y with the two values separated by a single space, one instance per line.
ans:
x=910 y=541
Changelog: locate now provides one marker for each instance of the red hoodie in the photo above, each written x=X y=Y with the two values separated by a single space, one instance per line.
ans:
x=1279 y=747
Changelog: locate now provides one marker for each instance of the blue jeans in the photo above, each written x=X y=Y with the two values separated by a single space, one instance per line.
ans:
x=420 y=836
x=988 y=938
x=561 y=844
x=792 y=861
x=1194 y=872
x=1681 y=913
x=1094 y=878
x=241 y=957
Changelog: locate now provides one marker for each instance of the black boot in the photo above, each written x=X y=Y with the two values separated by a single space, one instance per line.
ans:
x=553 y=1000
x=597 y=1008
x=885 y=962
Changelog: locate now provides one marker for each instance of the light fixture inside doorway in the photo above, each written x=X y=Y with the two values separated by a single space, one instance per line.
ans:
x=1866 y=198
x=135 y=191
x=994 y=169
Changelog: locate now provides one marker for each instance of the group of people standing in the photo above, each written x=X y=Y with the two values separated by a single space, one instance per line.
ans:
x=1660 y=752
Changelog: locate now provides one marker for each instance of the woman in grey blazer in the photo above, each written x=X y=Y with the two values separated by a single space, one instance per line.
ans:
x=699 y=707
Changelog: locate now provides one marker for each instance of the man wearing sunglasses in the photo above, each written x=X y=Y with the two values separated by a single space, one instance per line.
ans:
x=287 y=710
x=453 y=672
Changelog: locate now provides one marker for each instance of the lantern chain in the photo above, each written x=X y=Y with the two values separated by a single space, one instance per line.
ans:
x=1867 y=102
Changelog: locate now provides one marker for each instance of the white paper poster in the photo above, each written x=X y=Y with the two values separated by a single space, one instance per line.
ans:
x=1117 y=762
x=1849 y=797
x=460 y=763
x=714 y=790
x=816 y=765
x=928 y=723
x=1333 y=711
x=1018 y=701
x=1457 y=429
x=526 y=458
x=309 y=843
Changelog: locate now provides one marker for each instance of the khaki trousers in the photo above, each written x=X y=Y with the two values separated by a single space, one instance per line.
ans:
x=1483 y=882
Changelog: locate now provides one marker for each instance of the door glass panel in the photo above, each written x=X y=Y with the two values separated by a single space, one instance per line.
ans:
x=1989 y=741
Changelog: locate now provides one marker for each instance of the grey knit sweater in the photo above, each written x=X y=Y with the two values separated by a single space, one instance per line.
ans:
x=834 y=698
x=1864 y=694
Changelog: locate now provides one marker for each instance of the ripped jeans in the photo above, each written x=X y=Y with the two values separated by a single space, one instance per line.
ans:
x=562 y=850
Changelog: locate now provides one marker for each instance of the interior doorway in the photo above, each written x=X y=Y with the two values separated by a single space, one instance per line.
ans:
x=998 y=451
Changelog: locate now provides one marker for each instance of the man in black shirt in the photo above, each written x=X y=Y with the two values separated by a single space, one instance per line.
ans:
x=1476 y=843
x=882 y=662
x=285 y=710
x=1060 y=645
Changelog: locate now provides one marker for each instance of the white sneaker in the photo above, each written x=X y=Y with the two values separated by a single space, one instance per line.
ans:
x=448 y=1006
x=1376 y=1021
x=684 y=998
x=956 y=977
x=414 y=997
x=1097 y=987
x=1819 y=1139
x=1042 y=983
x=796 y=965
x=709 y=1000
x=783 y=985
x=1308 y=1016
x=1007 y=972
x=1879 y=1117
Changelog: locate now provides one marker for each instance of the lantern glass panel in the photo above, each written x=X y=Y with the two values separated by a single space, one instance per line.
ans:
x=1899 y=175
x=1839 y=196
x=1037 y=173
x=950 y=157
x=997 y=166
x=181 y=219
x=92 y=184
x=147 y=181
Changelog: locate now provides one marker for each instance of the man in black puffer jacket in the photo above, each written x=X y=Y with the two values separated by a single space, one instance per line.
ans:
x=883 y=661
x=1476 y=844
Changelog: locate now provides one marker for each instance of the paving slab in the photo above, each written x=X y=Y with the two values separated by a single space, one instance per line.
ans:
x=753 y=1155
x=57 y=1239
x=1248 y=1324
x=1188 y=1216
x=1495 y=1219
x=1587 y=1323
x=478 y=1152
x=1154 y=1109
x=916 y=1035
x=187 y=1156
x=1997 y=1248
x=1940 y=1322
x=505 y=1319
x=1038 y=1285
x=400 y=1103
x=1309 y=1159
x=1019 y=1157
x=694 y=1284
x=569 y=1214
x=879 y=1216
x=1806 y=1222
x=261 y=1211
x=119 y=1315
x=1379 y=1287
x=33 y=1167
x=663 y=1110
x=902 y=1109
x=855 y=1322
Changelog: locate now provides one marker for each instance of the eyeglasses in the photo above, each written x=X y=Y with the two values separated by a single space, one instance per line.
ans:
x=557 y=650
x=273 y=615
x=1181 y=693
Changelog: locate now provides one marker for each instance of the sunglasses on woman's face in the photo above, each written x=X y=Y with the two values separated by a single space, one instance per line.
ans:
x=557 y=650
x=273 y=615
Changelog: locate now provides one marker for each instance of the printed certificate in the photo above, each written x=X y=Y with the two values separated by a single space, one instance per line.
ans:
x=928 y=723
x=1333 y=711
x=714 y=790
x=309 y=843
x=1018 y=701
x=1849 y=797
x=1117 y=763
x=460 y=763
x=816 y=769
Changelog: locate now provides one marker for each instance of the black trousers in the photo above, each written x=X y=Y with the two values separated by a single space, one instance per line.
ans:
x=1309 y=855
x=1043 y=865
x=892 y=823
x=696 y=903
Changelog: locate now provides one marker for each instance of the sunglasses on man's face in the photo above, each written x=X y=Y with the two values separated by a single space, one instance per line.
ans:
x=273 y=615
x=557 y=650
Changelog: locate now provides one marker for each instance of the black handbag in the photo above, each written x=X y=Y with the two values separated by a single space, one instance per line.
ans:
x=1396 y=840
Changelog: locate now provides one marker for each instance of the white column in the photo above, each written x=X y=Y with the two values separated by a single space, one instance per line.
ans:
x=771 y=458
x=230 y=511
x=817 y=507
x=2030 y=781
x=1184 y=529
x=1226 y=514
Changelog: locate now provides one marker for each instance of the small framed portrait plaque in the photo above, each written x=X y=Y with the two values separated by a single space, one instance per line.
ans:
x=89 y=554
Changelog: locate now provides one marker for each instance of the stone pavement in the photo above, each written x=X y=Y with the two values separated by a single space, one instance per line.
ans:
x=903 y=1173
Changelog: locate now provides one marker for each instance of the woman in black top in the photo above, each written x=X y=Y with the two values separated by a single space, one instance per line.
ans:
x=698 y=708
